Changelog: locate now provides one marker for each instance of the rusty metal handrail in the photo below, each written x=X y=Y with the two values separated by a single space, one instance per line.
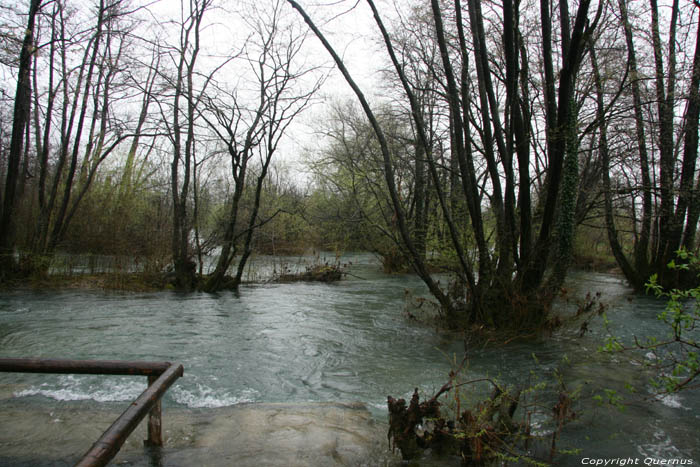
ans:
x=161 y=375
x=82 y=367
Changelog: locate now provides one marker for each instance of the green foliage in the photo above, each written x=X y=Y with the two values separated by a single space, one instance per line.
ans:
x=610 y=397
x=351 y=203
x=679 y=353
x=591 y=250
x=334 y=222
x=500 y=428
x=134 y=224
x=674 y=357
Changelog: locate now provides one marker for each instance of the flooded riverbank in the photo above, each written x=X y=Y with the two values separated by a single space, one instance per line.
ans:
x=317 y=343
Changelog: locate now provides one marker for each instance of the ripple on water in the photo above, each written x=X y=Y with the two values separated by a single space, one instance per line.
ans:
x=662 y=448
x=312 y=342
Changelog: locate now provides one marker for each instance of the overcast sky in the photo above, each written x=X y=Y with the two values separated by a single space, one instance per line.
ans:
x=347 y=24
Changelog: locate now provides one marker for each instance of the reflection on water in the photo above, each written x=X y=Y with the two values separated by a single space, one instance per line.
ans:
x=312 y=342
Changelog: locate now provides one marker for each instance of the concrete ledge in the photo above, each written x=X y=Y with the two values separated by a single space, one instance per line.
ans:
x=287 y=434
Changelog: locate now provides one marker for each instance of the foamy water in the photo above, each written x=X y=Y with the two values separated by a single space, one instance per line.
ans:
x=299 y=343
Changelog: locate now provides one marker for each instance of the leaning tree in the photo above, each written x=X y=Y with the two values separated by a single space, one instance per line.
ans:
x=519 y=185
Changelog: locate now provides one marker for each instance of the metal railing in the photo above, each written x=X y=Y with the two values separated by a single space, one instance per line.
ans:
x=161 y=375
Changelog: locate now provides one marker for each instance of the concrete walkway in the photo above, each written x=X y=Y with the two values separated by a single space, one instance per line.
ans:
x=307 y=434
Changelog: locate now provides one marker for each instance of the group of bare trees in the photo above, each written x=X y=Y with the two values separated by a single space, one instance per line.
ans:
x=107 y=90
x=504 y=126
x=663 y=105
x=528 y=120
x=70 y=76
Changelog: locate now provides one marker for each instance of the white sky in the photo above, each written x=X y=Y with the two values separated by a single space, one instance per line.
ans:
x=350 y=28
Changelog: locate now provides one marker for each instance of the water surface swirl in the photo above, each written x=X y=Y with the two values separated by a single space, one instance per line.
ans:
x=340 y=342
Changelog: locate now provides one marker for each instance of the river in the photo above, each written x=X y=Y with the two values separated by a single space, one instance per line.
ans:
x=306 y=343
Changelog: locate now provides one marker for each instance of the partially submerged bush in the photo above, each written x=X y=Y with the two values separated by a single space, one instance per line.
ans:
x=485 y=433
x=673 y=358
x=318 y=273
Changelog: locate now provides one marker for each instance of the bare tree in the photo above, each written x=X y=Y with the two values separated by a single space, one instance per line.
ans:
x=663 y=146
x=179 y=120
x=81 y=97
x=21 y=115
x=251 y=135
x=507 y=287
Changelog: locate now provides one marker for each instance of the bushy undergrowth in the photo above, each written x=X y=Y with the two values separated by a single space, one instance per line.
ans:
x=500 y=428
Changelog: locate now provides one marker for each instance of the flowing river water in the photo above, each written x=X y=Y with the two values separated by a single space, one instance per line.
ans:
x=288 y=349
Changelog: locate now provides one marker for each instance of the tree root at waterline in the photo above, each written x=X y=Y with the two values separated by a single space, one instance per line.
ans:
x=477 y=436
x=480 y=435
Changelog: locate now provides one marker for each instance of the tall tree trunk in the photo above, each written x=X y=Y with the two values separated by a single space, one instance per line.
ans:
x=77 y=140
x=665 y=140
x=642 y=241
x=689 y=242
x=418 y=264
x=248 y=244
x=690 y=155
x=466 y=163
x=521 y=128
x=566 y=220
x=19 y=123
x=574 y=47
x=419 y=195
x=493 y=138
x=416 y=113
x=228 y=246
x=184 y=267
x=627 y=269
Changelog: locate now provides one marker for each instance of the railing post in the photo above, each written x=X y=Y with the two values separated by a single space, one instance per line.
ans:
x=155 y=437
x=161 y=375
x=112 y=440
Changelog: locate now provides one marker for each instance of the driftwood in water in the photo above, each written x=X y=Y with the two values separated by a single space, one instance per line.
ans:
x=405 y=423
x=324 y=273
x=476 y=436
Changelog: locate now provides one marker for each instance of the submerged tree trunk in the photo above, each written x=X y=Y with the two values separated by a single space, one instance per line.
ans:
x=495 y=293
